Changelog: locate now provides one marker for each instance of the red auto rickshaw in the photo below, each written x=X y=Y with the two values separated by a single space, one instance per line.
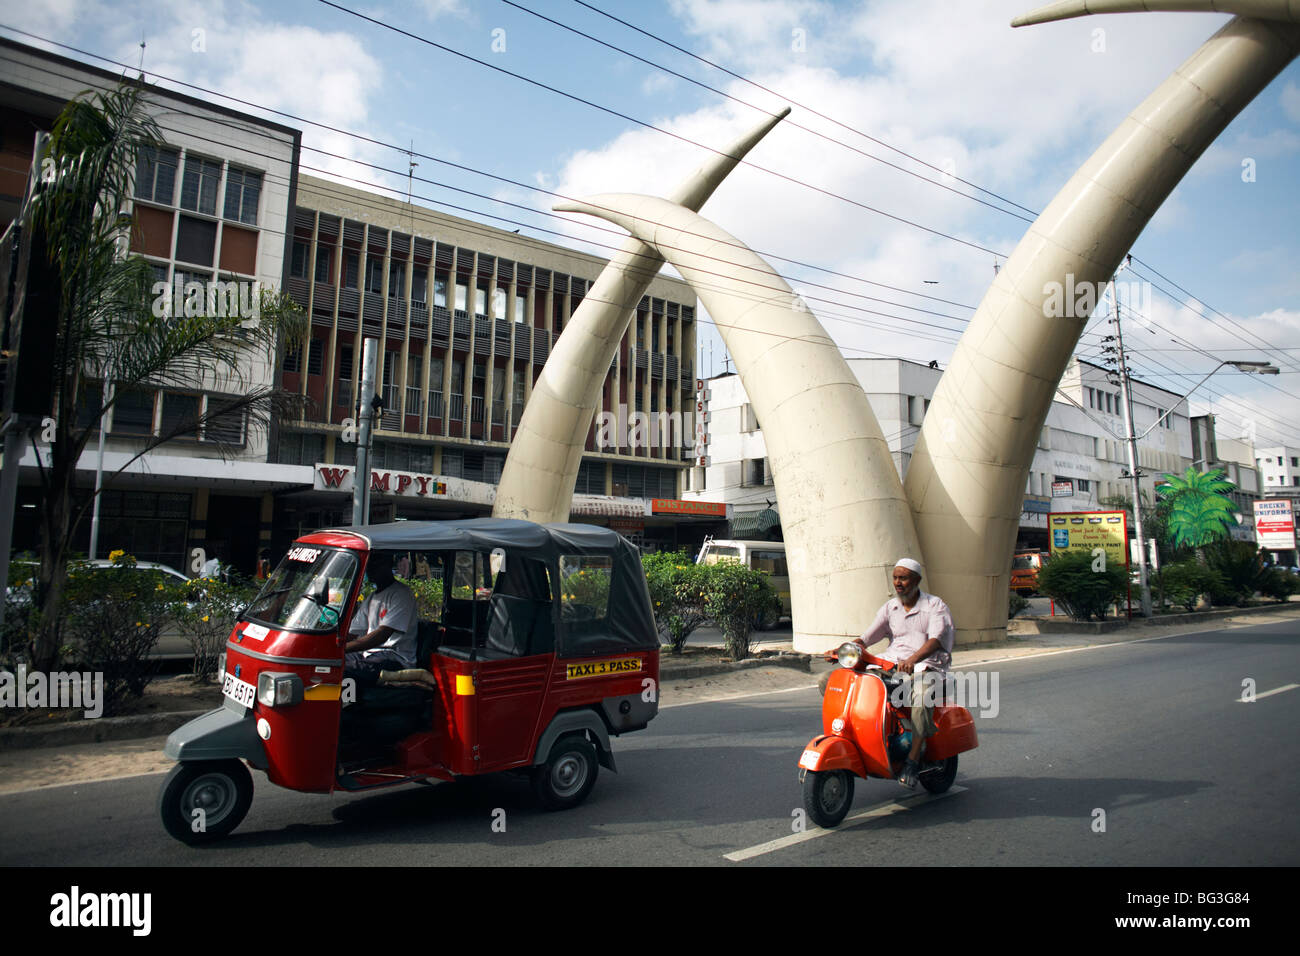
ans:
x=536 y=645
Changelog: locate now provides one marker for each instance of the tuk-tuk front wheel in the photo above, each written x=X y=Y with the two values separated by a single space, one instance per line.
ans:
x=568 y=774
x=205 y=799
x=827 y=796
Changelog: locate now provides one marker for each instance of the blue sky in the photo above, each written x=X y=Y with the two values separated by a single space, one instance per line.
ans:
x=1013 y=111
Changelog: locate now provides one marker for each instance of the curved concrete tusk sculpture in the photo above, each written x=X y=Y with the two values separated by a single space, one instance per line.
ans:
x=843 y=513
x=968 y=470
x=541 y=468
x=1281 y=10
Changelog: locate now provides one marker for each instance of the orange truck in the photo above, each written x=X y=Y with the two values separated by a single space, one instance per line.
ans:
x=1024 y=571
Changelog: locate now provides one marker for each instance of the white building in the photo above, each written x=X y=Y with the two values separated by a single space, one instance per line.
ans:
x=1081 y=458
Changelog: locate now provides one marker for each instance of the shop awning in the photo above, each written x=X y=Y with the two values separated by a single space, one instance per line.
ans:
x=763 y=525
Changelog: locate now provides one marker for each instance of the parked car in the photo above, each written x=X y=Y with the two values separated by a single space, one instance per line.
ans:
x=172 y=645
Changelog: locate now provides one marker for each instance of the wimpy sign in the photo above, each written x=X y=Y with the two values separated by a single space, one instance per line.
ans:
x=404 y=483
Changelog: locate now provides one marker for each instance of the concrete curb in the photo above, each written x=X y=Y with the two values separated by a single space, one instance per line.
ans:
x=137 y=726
x=1054 y=626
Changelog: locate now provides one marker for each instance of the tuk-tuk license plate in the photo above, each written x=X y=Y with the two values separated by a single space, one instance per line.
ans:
x=240 y=691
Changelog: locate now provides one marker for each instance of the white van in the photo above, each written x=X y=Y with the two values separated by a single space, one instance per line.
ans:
x=765 y=556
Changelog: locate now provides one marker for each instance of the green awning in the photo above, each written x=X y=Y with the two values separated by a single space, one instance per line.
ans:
x=762 y=525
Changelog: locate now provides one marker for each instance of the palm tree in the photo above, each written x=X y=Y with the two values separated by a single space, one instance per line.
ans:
x=107 y=323
x=1200 y=510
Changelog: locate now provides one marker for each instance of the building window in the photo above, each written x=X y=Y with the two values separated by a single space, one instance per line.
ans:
x=521 y=308
x=180 y=413
x=374 y=275
x=298 y=261
x=133 y=411
x=315 y=356
x=397 y=280
x=155 y=175
x=199 y=187
x=419 y=281
x=440 y=290
x=351 y=269
x=196 y=240
x=226 y=424
x=292 y=359
x=324 y=260
x=243 y=190
x=1084 y=485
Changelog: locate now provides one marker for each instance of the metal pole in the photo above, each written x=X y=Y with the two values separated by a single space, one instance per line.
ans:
x=13 y=452
x=1131 y=444
x=99 y=465
x=365 y=416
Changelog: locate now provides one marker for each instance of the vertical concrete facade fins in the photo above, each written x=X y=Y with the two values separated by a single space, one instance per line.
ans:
x=467 y=317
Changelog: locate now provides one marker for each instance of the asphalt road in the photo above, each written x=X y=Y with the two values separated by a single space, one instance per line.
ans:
x=1153 y=733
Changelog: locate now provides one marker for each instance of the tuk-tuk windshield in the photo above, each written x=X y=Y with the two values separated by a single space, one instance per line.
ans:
x=306 y=592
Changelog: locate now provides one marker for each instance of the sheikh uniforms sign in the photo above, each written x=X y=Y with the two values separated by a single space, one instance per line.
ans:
x=1275 y=525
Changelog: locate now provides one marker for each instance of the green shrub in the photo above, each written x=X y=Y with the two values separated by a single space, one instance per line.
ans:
x=1278 y=584
x=112 y=620
x=735 y=597
x=677 y=588
x=1084 y=587
x=1239 y=568
x=205 y=611
x=1015 y=604
x=428 y=597
x=1185 y=581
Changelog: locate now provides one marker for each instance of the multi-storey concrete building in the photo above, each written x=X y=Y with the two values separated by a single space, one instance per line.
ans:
x=211 y=205
x=466 y=316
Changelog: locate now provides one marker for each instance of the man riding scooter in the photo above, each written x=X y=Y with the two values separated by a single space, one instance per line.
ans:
x=920 y=631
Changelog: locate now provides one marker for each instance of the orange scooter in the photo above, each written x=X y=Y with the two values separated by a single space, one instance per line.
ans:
x=866 y=732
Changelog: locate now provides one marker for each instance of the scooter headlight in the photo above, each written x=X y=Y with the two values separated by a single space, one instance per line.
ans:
x=849 y=654
x=278 y=690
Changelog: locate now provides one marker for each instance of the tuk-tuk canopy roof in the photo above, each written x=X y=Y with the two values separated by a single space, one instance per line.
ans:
x=544 y=542
x=627 y=622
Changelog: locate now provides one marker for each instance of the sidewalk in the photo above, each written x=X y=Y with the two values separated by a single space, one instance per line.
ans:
x=100 y=757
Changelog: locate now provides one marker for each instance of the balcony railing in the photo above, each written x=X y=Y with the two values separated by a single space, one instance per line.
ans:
x=456 y=411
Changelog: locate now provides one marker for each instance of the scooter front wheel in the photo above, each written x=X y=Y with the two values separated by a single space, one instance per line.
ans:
x=827 y=796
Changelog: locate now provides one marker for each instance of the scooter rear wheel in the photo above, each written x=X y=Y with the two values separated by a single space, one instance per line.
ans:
x=827 y=796
x=939 y=780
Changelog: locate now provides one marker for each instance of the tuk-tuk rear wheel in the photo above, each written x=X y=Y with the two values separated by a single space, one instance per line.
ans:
x=568 y=774
x=222 y=789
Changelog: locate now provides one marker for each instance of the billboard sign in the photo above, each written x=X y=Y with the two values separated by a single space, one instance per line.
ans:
x=1063 y=489
x=1275 y=525
x=1088 y=530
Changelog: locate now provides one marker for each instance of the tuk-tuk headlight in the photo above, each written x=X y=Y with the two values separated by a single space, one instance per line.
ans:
x=221 y=666
x=278 y=690
x=849 y=654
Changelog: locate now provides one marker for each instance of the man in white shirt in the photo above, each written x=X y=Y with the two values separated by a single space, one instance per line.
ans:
x=920 y=631
x=384 y=629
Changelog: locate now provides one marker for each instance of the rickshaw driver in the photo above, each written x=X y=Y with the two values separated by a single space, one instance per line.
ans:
x=387 y=625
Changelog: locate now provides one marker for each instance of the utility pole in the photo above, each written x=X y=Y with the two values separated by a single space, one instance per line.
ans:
x=1126 y=396
x=367 y=402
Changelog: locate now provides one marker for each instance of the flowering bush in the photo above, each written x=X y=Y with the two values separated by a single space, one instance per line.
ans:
x=735 y=597
x=205 y=610
x=111 y=622
x=677 y=586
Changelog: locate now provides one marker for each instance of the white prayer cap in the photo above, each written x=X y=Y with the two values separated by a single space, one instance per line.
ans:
x=910 y=564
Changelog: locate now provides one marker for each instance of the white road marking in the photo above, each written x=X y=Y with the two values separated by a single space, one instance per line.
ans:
x=1269 y=693
x=761 y=693
x=875 y=813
